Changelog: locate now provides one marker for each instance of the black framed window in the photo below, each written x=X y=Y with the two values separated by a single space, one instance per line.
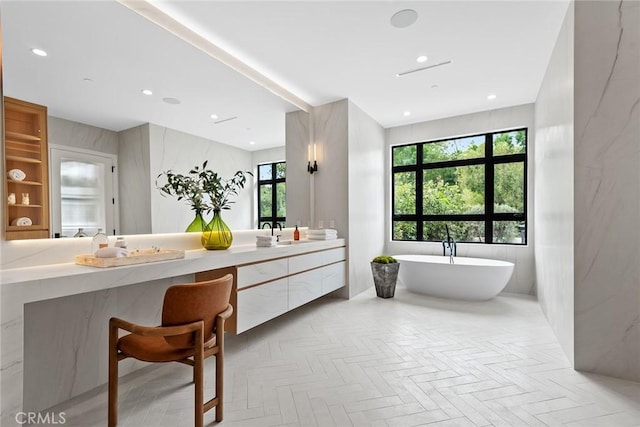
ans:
x=272 y=194
x=477 y=185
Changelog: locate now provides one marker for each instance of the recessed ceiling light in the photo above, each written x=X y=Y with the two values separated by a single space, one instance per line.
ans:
x=404 y=18
x=87 y=80
x=172 y=101
x=252 y=143
x=490 y=97
x=422 y=58
x=214 y=116
x=38 y=52
x=407 y=113
x=147 y=92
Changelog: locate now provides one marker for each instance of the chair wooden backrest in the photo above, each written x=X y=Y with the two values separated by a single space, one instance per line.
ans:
x=196 y=301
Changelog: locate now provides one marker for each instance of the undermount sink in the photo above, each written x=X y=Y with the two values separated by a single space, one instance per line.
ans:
x=292 y=242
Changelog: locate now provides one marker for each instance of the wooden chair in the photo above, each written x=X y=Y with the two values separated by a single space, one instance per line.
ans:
x=192 y=329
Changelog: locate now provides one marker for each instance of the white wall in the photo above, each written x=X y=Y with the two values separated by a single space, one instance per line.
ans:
x=607 y=188
x=554 y=245
x=298 y=136
x=523 y=277
x=133 y=179
x=78 y=135
x=179 y=151
x=366 y=214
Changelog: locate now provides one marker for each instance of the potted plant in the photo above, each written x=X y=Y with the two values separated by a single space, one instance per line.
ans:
x=385 y=274
x=206 y=191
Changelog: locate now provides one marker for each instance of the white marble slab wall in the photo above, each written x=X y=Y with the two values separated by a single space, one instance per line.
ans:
x=366 y=201
x=553 y=162
x=523 y=278
x=297 y=136
x=607 y=188
x=78 y=135
x=133 y=180
x=180 y=152
x=65 y=339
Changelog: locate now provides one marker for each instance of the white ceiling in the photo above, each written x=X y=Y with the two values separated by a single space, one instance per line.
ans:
x=321 y=51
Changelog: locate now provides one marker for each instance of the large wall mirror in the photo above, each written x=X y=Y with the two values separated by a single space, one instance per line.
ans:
x=100 y=57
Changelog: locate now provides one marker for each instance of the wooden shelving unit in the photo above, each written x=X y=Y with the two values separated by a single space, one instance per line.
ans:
x=26 y=149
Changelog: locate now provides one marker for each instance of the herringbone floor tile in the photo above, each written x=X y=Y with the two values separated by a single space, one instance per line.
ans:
x=406 y=361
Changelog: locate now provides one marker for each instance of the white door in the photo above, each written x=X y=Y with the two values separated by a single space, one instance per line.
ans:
x=83 y=192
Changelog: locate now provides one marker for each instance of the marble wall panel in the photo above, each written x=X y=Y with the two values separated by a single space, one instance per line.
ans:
x=180 y=152
x=366 y=203
x=134 y=177
x=78 y=135
x=523 y=279
x=554 y=245
x=607 y=188
x=298 y=137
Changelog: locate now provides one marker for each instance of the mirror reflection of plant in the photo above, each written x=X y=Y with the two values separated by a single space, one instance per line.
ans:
x=220 y=189
x=204 y=189
x=184 y=187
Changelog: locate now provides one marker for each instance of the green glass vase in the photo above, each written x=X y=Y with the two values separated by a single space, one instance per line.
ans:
x=216 y=234
x=197 y=225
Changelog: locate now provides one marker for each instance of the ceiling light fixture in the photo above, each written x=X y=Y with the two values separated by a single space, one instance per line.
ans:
x=38 y=52
x=404 y=18
x=491 y=97
x=422 y=58
x=147 y=92
x=407 y=113
x=172 y=101
x=214 y=116
x=404 y=73
x=252 y=143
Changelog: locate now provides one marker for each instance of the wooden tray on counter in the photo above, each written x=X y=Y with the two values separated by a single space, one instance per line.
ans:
x=138 y=256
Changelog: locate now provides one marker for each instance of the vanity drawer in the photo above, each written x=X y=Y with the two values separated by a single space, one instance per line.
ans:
x=262 y=272
x=305 y=262
x=261 y=303
x=304 y=287
x=333 y=255
x=333 y=277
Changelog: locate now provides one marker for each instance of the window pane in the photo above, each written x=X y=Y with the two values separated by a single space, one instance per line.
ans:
x=404 y=191
x=454 y=149
x=281 y=170
x=508 y=187
x=509 y=232
x=456 y=190
x=281 y=199
x=82 y=200
x=265 y=200
x=405 y=230
x=406 y=155
x=460 y=231
x=264 y=172
x=509 y=143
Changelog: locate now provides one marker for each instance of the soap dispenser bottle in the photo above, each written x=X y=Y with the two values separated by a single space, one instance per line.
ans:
x=100 y=240
x=296 y=233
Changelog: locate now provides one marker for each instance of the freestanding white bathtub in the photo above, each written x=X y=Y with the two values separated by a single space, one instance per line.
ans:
x=473 y=279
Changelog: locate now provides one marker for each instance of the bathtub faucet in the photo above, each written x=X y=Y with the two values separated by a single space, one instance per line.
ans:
x=449 y=244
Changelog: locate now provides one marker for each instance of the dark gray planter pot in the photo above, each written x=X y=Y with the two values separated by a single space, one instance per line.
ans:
x=385 y=277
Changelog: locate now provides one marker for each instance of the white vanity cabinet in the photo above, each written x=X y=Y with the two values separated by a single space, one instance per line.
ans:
x=265 y=290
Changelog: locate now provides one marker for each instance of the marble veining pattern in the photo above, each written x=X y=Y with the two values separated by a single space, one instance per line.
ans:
x=607 y=189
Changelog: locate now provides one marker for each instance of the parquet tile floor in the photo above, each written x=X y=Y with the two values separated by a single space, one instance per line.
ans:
x=407 y=361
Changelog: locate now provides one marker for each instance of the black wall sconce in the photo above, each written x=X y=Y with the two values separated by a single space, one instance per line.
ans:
x=312 y=168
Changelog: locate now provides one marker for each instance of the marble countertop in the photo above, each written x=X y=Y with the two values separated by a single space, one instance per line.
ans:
x=63 y=279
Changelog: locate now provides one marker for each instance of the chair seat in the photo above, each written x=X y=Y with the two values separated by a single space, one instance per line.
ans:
x=155 y=349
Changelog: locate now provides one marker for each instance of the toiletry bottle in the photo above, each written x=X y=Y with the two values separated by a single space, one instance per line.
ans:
x=100 y=240
x=80 y=233
x=296 y=234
